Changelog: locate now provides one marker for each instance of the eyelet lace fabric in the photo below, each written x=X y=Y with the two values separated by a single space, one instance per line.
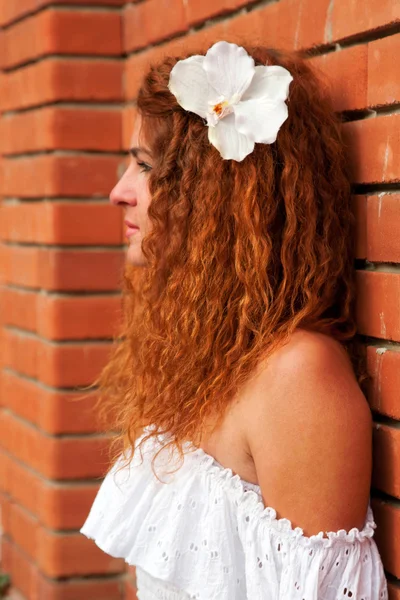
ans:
x=203 y=533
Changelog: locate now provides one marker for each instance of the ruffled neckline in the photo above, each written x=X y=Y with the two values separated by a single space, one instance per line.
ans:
x=213 y=461
x=248 y=498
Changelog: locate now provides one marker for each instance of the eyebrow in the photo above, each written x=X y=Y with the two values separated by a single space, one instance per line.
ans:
x=137 y=150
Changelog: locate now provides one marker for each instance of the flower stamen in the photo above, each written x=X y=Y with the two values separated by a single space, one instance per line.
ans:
x=219 y=108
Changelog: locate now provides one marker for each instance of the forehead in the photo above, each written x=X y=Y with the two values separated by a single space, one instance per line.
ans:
x=135 y=137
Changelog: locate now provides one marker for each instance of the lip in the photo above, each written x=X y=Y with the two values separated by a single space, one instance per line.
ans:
x=130 y=225
x=131 y=228
x=131 y=231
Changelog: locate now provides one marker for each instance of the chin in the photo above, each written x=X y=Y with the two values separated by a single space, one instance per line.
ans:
x=134 y=256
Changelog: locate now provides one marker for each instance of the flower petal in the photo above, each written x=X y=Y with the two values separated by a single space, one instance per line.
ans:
x=260 y=119
x=229 y=69
x=188 y=82
x=229 y=142
x=269 y=82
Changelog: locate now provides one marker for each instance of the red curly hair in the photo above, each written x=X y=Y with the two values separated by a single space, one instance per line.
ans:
x=239 y=255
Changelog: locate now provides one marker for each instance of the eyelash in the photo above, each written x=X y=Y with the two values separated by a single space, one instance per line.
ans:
x=145 y=168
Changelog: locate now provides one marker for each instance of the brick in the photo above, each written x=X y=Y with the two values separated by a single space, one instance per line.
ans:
x=359 y=207
x=61 y=79
x=383 y=226
x=373 y=146
x=346 y=73
x=23 y=529
x=312 y=26
x=73 y=555
x=243 y=28
x=65 y=506
x=72 y=364
x=62 y=270
x=62 y=32
x=63 y=223
x=378 y=221
x=23 y=572
x=136 y=68
x=79 y=317
x=57 y=506
x=59 y=175
x=11 y=11
x=197 y=12
x=54 y=458
x=197 y=42
x=58 y=365
x=137 y=65
x=21 y=481
x=5 y=506
x=22 y=266
x=59 y=555
x=27 y=578
x=19 y=308
x=130 y=591
x=81 y=589
x=384 y=367
x=355 y=17
x=387 y=534
x=378 y=298
x=60 y=317
x=141 y=28
x=383 y=81
x=289 y=24
x=20 y=353
x=4 y=470
x=61 y=129
x=53 y=411
x=386 y=471
x=76 y=270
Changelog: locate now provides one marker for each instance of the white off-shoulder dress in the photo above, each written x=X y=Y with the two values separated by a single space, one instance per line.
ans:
x=204 y=533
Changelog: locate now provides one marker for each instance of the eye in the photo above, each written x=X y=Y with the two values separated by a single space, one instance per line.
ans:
x=144 y=167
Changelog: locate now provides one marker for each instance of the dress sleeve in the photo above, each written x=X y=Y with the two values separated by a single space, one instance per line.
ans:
x=295 y=567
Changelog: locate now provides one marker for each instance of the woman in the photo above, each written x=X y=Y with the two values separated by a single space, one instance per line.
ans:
x=235 y=384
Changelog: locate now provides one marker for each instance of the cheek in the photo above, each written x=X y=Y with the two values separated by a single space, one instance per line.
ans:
x=145 y=199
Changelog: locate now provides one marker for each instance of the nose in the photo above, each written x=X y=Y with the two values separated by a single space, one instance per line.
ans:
x=123 y=192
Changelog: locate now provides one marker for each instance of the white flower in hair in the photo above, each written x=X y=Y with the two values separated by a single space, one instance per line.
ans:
x=242 y=104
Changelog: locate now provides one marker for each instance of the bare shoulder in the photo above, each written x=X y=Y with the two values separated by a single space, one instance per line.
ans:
x=308 y=427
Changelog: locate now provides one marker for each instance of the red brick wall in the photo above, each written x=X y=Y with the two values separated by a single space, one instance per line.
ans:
x=61 y=92
x=61 y=138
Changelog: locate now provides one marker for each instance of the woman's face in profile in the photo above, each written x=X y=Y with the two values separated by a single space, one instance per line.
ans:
x=132 y=194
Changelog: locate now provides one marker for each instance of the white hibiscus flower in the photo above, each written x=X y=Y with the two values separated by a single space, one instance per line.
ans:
x=242 y=104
